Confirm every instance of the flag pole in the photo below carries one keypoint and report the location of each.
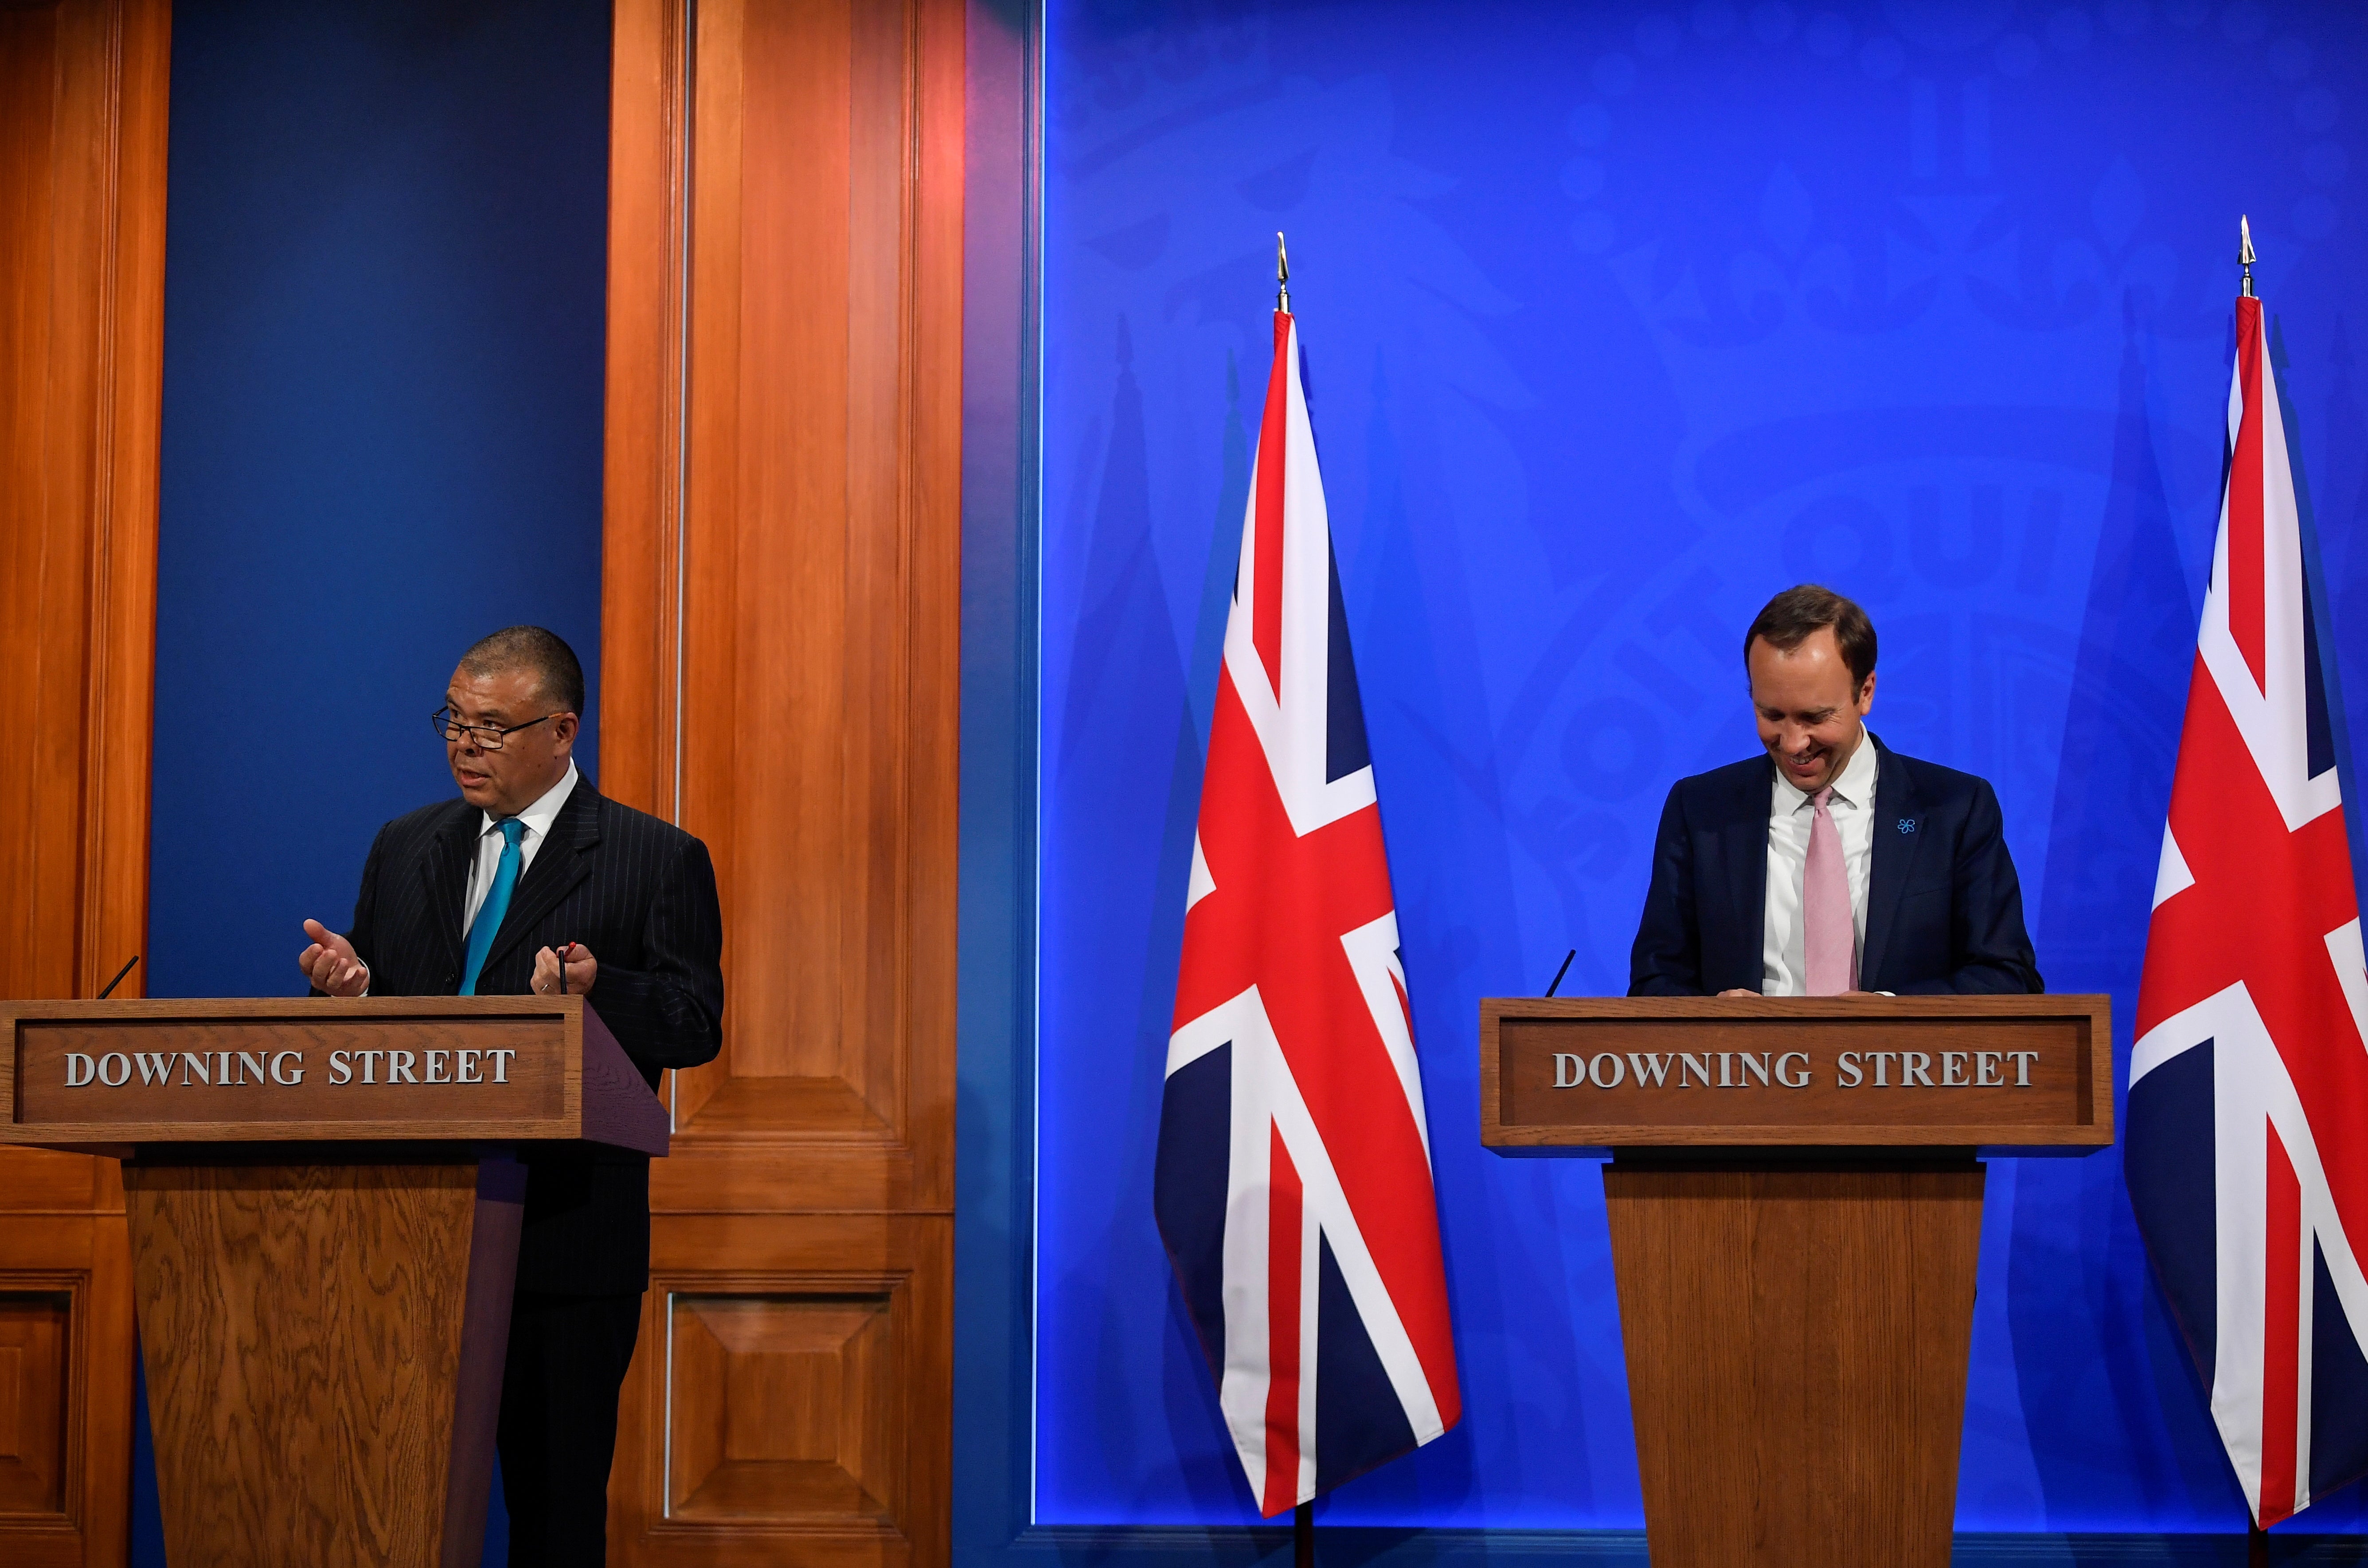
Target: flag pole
(1303, 1518)
(2257, 1540)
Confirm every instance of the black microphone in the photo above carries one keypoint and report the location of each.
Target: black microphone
(1563, 971)
(119, 978)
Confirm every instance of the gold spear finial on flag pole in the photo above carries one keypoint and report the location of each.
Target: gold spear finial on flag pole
(2245, 253)
(1281, 276)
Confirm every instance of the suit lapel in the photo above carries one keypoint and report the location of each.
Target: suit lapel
(445, 872)
(1744, 839)
(560, 864)
(1892, 855)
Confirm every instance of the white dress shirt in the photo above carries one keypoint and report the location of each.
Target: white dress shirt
(538, 818)
(1784, 969)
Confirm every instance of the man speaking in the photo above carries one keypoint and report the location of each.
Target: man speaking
(531, 874)
(1832, 864)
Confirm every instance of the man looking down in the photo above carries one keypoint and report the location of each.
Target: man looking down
(1831, 864)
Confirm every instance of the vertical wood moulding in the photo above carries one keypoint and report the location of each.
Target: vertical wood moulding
(646, 445)
(935, 476)
(107, 159)
(673, 642)
(119, 723)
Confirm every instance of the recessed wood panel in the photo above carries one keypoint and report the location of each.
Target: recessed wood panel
(782, 1409)
(788, 1398)
(65, 1397)
(36, 1376)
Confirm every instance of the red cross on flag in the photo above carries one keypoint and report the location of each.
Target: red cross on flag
(2247, 1134)
(1293, 1186)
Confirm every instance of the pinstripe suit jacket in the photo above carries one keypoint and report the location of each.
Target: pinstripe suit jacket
(641, 894)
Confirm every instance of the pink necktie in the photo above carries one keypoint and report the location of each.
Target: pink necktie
(1831, 945)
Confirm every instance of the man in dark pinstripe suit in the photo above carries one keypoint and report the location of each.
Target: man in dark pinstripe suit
(490, 894)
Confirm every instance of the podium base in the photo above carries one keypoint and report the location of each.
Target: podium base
(1798, 1325)
(323, 1344)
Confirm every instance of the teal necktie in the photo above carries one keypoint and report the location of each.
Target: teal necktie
(497, 904)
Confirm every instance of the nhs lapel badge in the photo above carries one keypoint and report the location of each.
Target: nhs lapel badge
(1908, 825)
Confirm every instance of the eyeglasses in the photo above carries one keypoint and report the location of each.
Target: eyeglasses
(489, 737)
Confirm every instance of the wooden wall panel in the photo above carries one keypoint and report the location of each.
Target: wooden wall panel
(35, 1375)
(789, 1402)
(82, 215)
(781, 673)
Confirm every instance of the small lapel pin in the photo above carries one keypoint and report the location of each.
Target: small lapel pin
(1908, 825)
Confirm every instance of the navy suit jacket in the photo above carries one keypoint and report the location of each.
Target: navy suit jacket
(1945, 911)
(640, 893)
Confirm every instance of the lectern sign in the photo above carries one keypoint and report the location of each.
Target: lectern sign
(508, 1068)
(2006, 1071)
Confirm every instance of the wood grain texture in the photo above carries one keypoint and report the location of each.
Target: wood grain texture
(35, 1373)
(83, 91)
(778, 1399)
(784, 430)
(1797, 1342)
(74, 1254)
(305, 1328)
(823, 418)
(789, 1395)
(82, 152)
(642, 447)
(1531, 1100)
(242, 1039)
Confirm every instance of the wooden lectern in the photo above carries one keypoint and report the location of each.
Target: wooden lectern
(1796, 1202)
(324, 1200)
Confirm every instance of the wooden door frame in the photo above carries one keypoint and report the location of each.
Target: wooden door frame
(63, 1214)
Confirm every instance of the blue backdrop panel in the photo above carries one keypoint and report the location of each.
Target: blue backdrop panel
(1618, 318)
(383, 308)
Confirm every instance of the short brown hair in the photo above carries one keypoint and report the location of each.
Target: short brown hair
(1791, 617)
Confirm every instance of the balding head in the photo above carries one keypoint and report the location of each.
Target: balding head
(559, 678)
(511, 718)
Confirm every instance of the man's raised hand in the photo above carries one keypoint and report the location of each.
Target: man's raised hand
(331, 963)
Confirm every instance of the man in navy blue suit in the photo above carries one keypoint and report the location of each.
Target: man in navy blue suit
(1831, 864)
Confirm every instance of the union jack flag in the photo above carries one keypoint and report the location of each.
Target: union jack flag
(1293, 1184)
(2247, 1147)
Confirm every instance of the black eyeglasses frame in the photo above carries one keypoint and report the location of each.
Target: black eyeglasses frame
(446, 721)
